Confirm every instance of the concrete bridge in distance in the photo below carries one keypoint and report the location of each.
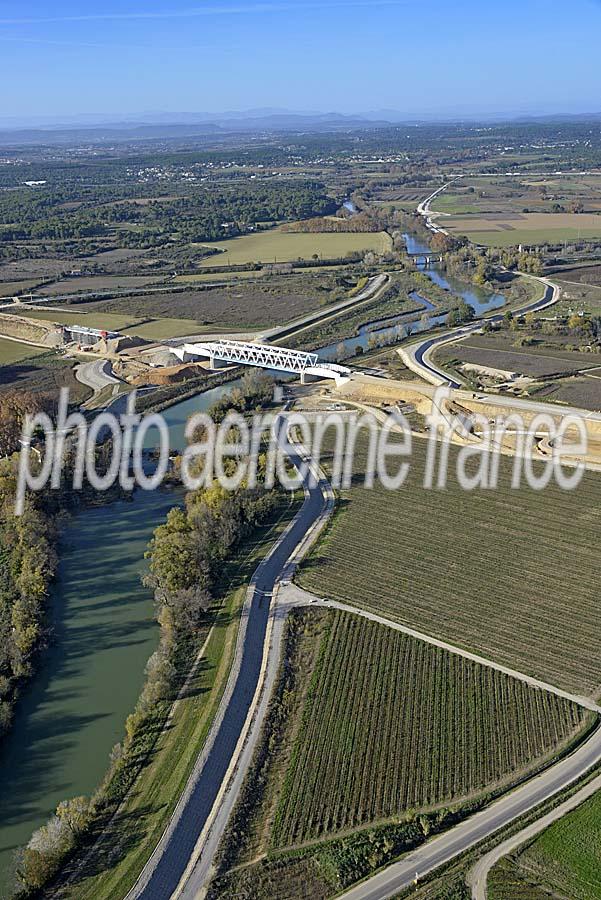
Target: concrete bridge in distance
(265, 356)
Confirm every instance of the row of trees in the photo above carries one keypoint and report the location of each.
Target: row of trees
(27, 562)
(186, 559)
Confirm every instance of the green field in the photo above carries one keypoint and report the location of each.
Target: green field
(13, 352)
(278, 246)
(371, 740)
(564, 861)
(510, 574)
(529, 237)
(148, 328)
(392, 724)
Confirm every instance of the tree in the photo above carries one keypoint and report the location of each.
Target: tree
(74, 813)
(461, 314)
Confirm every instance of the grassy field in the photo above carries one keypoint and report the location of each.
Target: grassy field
(14, 352)
(92, 283)
(267, 300)
(581, 392)
(46, 372)
(279, 246)
(12, 288)
(371, 739)
(146, 327)
(511, 574)
(564, 861)
(578, 297)
(526, 228)
(129, 838)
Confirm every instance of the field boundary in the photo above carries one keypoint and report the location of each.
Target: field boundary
(302, 597)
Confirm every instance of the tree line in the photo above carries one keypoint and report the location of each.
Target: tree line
(186, 559)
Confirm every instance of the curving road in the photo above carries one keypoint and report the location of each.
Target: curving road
(180, 864)
(96, 374)
(445, 847)
(478, 876)
(417, 356)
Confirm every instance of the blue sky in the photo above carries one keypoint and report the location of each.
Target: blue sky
(444, 58)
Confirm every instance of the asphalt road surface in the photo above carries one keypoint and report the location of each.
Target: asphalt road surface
(96, 374)
(419, 351)
(457, 840)
(168, 866)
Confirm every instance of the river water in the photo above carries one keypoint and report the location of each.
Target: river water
(420, 319)
(74, 710)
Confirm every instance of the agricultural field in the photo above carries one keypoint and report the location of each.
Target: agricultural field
(432, 558)
(502, 350)
(14, 352)
(269, 300)
(278, 246)
(530, 229)
(370, 726)
(392, 724)
(12, 288)
(506, 211)
(564, 861)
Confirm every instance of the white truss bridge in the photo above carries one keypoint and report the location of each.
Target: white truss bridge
(265, 356)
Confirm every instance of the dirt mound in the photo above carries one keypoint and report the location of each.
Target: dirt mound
(36, 331)
(172, 375)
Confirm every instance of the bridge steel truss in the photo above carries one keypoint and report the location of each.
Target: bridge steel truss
(265, 356)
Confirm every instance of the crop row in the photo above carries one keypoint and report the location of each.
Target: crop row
(511, 574)
(393, 724)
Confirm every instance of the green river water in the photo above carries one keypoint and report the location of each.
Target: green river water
(74, 709)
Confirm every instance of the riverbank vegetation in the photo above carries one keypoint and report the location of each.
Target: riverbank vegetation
(373, 741)
(200, 560)
(28, 562)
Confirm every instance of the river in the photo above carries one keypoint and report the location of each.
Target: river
(421, 319)
(74, 709)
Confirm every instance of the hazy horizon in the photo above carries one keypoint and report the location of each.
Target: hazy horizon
(467, 60)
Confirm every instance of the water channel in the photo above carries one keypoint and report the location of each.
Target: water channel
(74, 709)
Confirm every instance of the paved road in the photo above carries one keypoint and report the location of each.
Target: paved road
(162, 875)
(457, 840)
(96, 374)
(479, 874)
(417, 355)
